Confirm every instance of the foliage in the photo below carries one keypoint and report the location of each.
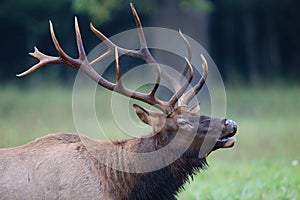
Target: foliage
(104, 10)
(202, 5)
(256, 39)
(250, 40)
(100, 10)
(29, 12)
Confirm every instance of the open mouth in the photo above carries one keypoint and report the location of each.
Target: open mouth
(226, 140)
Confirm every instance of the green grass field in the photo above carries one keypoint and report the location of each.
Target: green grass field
(262, 165)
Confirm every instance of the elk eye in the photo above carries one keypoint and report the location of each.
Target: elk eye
(184, 123)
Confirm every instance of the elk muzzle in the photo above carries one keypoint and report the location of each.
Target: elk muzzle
(226, 139)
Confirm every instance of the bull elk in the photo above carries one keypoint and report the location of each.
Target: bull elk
(72, 166)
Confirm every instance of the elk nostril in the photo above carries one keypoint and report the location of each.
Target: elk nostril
(226, 122)
(231, 124)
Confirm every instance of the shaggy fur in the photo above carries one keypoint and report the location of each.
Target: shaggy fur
(73, 166)
(65, 169)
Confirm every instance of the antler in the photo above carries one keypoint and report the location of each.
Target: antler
(82, 63)
(188, 96)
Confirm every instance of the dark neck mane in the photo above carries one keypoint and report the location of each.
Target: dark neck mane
(167, 182)
(164, 183)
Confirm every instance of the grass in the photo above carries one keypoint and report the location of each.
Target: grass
(254, 179)
(260, 166)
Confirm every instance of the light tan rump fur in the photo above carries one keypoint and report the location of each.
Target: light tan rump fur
(56, 166)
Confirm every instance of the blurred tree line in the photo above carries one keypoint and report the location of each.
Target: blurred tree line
(250, 40)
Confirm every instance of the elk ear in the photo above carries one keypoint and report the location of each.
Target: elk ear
(142, 113)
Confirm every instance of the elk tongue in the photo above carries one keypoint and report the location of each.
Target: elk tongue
(224, 143)
(228, 142)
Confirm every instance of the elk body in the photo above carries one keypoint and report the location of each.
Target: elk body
(72, 166)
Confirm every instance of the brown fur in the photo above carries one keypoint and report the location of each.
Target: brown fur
(70, 166)
(59, 166)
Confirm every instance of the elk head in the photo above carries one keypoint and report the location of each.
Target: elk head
(175, 116)
(202, 134)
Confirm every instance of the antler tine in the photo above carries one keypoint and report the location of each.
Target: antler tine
(119, 85)
(60, 51)
(145, 51)
(81, 51)
(148, 98)
(189, 49)
(142, 53)
(46, 59)
(180, 92)
(176, 83)
(43, 60)
(140, 28)
(118, 73)
(79, 64)
(111, 46)
(194, 91)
